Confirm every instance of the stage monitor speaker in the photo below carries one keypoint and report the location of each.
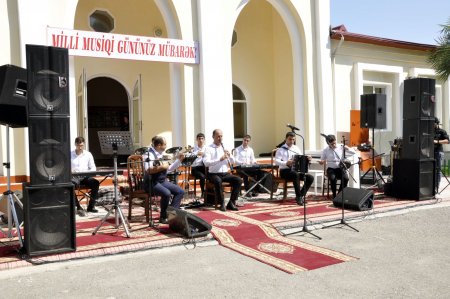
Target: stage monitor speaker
(48, 80)
(13, 96)
(187, 224)
(414, 179)
(49, 225)
(418, 98)
(49, 150)
(373, 111)
(354, 199)
(418, 139)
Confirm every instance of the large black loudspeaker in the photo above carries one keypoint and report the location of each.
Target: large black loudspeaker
(49, 150)
(13, 96)
(418, 98)
(48, 115)
(187, 224)
(49, 225)
(48, 80)
(373, 111)
(355, 199)
(414, 179)
(418, 139)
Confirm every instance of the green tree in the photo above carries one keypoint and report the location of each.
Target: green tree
(440, 57)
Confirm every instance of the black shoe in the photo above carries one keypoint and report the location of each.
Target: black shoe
(81, 212)
(222, 208)
(163, 220)
(92, 210)
(231, 206)
(254, 194)
(299, 200)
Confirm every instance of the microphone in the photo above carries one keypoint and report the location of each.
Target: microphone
(292, 127)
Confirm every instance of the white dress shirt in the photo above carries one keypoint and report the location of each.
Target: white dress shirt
(213, 153)
(333, 156)
(199, 160)
(284, 154)
(244, 156)
(82, 162)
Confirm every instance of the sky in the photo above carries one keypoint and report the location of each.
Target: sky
(407, 20)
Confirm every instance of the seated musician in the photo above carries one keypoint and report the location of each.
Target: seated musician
(156, 177)
(332, 155)
(284, 158)
(197, 167)
(220, 162)
(83, 161)
(244, 155)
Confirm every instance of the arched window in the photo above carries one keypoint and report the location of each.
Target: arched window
(240, 115)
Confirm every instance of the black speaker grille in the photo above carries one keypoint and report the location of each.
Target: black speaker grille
(418, 139)
(419, 98)
(413, 179)
(373, 111)
(49, 219)
(49, 150)
(48, 85)
(13, 96)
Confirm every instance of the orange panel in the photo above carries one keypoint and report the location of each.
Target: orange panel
(358, 135)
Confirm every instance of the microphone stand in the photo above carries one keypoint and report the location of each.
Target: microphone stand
(305, 228)
(344, 169)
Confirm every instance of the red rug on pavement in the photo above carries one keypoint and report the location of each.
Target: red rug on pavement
(264, 243)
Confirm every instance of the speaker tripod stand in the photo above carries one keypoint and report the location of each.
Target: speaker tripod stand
(10, 196)
(109, 142)
(376, 176)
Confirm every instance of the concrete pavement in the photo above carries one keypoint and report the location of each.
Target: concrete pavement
(402, 255)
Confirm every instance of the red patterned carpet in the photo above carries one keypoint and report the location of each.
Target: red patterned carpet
(252, 231)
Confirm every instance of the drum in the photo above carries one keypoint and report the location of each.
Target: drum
(301, 163)
(189, 159)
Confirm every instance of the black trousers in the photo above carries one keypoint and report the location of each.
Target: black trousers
(218, 178)
(296, 177)
(90, 183)
(199, 173)
(333, 175)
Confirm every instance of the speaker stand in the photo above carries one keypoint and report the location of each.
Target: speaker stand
(342, 222)
(116, 207)
(376, 176)
(305, 228)
(10, 196)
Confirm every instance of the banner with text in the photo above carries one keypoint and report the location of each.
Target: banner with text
(121, 46)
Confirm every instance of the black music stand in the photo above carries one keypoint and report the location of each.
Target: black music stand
(305, 229)
(344, 169)
(115, 143)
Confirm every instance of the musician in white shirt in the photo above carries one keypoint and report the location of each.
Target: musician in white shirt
(333, 156)
(156, 177)
(284, 158)
(83, 161)
(219, 161)
(197, 167)
(244, 155)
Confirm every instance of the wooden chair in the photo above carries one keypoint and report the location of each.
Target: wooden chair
(275, 170)
(326, 185)
(136, 172)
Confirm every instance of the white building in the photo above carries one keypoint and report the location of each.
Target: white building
(262, 64)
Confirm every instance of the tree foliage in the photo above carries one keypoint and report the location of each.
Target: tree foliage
(440, 57)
